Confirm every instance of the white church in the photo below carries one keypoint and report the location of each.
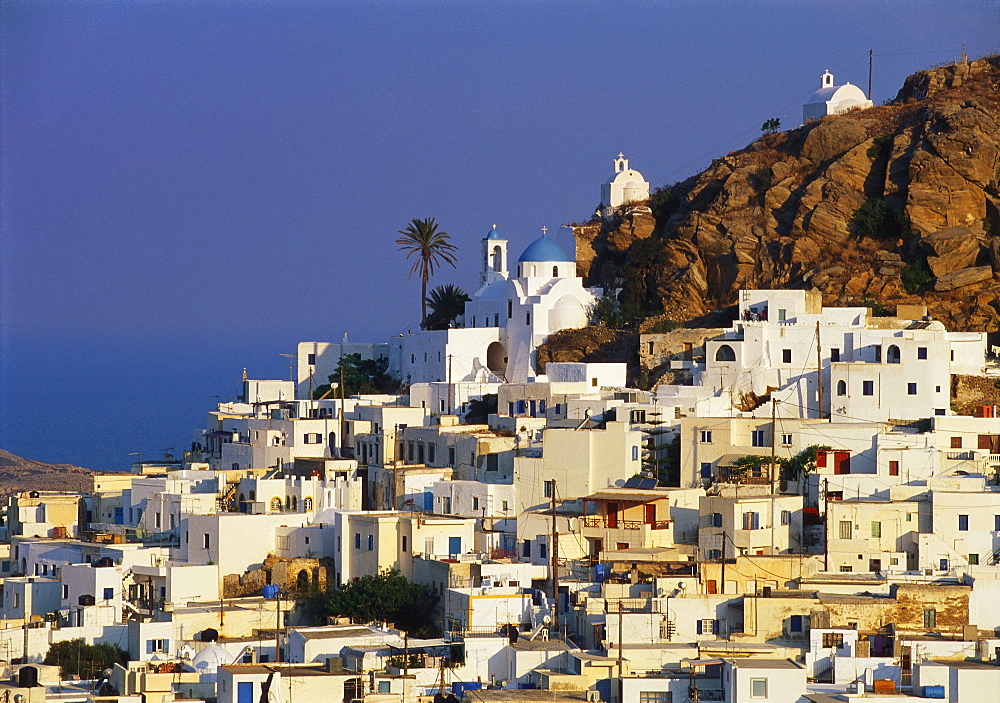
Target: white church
(833, 99)
(508, 317)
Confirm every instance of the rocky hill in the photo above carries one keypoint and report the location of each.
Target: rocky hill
(18, 474)
(898, 203)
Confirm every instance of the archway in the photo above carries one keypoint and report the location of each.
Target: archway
(496, 359)
(892, 354)
(725, 353)
(841, 387)
(302, 580)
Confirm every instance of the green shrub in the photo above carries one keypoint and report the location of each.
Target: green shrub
(915, 276)
(881, 146)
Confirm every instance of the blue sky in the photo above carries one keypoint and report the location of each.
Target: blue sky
(231, 176)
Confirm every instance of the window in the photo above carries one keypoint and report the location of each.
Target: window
(706, 627)
(405, 543)
(893, 468)
(892, 354)
(593, 382)
(956, 442)
(751, 521)
(846, 569)
(876, 529)
(510, 309)
(713, 554)
(716, 520)
(311, 359)
(656, 697)
(841, 387)
(996, 523)
(312, 438)
(782, 314)
(307, 504)
(877, 348)
(868, 387)
(637, 416)
(786, 356)
(276, 505)
(758, 438)
(157, 646)
(371, 543)
(65, 591)
(526, 548)
(475, 503)
(963, 523)
(845, 529)
(786, 517)
(635, 453)
(527, 318)
(834, 354)
(921, 352)
(758, 688)
(930, 618)
(725, 353)
(833, 639)
(503, 506)
(973, 559)
(543, 550)
(109, 593)
(786, 439)
(206, 540)
(547, 487)
(795, 623)
(357, 540)
(911, 388)
(706, 436)
(706, 470)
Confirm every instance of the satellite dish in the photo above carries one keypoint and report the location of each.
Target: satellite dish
(546, 619)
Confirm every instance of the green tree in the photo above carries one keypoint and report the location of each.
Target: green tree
(78, 660)
(361, 376)
(429, 248)
(446, 302)
(479, 409)
(771, 126)
(388, 597)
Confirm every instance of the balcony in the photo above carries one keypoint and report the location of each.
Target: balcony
(612, 523)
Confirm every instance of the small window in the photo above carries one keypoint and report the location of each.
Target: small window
(877, 349)
(593, 382)
(527, 318)
(357, 540)
(656, 697)
(786, 517)
(510, 309)
(786, 440)
(973, 559)
(876, 529)
(504, 506)
(716, 519)
(996, 523)
(833, 639)
(930, 618)
(956, 442)
(795, 623)
(834, 354)
(475, 503)
(371, 543)
(635, 453)
(868, 387)
(206, 540)
(893, 468)
(846, 529)
(758, 688)
(706, 437)
(911, 388)
(963, 523)
(526, 548)
(706, 471)
(782, 314)
(846, 569)
(921, 352)
(547, 487)
(405, 543)
(786, 356)
(841, 387)
(758, 438)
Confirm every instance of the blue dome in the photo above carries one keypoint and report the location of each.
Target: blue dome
(493, 234)
(544, 249)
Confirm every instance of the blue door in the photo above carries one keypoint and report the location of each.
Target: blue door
(428, 501)
(119, 516)
(244, 692)
(454, 545)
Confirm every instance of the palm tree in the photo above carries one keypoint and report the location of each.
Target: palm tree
(430, 248)
(446, 302)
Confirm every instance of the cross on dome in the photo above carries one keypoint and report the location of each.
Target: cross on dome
(545, 230)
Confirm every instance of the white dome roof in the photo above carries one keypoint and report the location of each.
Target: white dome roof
(209, 659)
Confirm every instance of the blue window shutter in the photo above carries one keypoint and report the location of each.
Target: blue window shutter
(428, 501)
(149, 646)
(698, 622)
(454, 545)
(715, 627)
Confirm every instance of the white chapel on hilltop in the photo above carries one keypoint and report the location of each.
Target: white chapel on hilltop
(833, 99)
(508, 317)
(625, 185)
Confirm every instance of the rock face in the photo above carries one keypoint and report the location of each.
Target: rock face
(895, 204)
(18, 474)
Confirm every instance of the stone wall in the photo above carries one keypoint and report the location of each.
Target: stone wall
(969, 393)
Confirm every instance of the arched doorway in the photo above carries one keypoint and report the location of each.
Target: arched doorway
(302, 580)
(892, 354)
(725, 353)
(496, 359)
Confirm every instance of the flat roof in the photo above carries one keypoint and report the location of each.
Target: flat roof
(297, 670)
(755, 663)
(537, 694)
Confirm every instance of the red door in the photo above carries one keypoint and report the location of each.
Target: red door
(841, 462)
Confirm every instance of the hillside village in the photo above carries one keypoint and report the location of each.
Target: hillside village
(805, 508)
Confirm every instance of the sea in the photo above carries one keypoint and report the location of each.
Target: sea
(104, 402)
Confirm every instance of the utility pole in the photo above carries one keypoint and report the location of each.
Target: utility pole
(621, 683)
(722, 587)
(450, 403)
(819, 372)
(869, 74)
(554, 563)
(774, 431)
(826, 525)
(341, 402)
(277, 629)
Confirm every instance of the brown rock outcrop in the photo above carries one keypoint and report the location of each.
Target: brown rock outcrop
(861, 206)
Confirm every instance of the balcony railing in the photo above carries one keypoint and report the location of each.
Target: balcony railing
(615, 524)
